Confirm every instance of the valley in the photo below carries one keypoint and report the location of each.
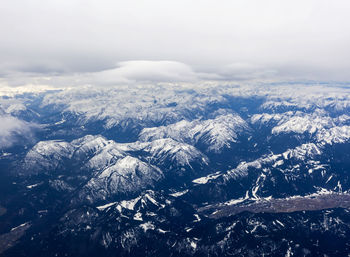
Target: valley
(288, 205)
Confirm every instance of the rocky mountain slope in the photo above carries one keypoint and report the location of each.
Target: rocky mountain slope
(170, 170)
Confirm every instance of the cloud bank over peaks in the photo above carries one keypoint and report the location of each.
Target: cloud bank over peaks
(143, 72)
(128, 72)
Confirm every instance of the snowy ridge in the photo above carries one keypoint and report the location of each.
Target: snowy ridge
(206, 179)
(178, 194)
(113, 168)
(302, 152)
(334, 135)
(105, 156)
(47, 155)
(126, 175)
(122, 105)
(302, 124)
(325, 129)
(89, 144)
(171, 103)
(215, 133)
(103, 207)
(98, 153)
(276, 104)
(296, 122)
(161, 151)
(180, 153)
(146, 199)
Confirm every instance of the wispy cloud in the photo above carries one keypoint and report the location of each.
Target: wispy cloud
(12, 129)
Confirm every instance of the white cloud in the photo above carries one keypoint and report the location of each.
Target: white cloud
(11, 129)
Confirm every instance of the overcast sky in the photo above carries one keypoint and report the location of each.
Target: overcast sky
(101, 41)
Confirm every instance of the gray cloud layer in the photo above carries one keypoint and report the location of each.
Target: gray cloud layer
(101, 41)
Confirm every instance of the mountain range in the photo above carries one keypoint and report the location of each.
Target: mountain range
(176, 170)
